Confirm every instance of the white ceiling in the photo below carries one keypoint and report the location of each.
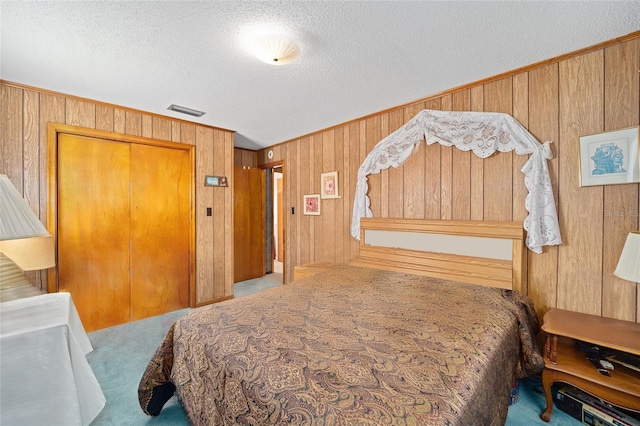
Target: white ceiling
(357, 57)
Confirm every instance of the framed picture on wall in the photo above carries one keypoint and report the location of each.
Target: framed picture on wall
(329, 185)
(610, 158)
(312, 204)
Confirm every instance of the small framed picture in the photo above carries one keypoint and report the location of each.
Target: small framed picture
(311, 204)
(610, 158)
(215, 181)
(329, 185)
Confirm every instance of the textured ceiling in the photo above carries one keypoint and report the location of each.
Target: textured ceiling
(357, 58)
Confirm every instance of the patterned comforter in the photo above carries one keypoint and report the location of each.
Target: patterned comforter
(350, 346)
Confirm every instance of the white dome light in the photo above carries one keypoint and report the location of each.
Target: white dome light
(276, 49)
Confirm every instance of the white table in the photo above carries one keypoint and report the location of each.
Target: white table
(44, 375)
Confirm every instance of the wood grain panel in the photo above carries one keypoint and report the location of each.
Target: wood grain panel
(621, 207)
(414, 173)
(348, 191)
(461, 168)
(147, 126)
(476, 103)
(339, 234)
(162, 129)
(93, 249)
(11, 135)
(304, 187)
(104, 118)
(328, 212)
(580, 260)
(432, 178)
(80, 113)
(446, 169)
(498, 168)
(354, 164)
(160, 225)
(218, 169)
(543, 124)
(119, 120)
(520, 113)
(372, 137)
(133, 123)
(204, 223)
(396, 175)
(228, 138)
(51, 110)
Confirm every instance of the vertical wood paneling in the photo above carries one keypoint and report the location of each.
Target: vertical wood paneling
(372, 137)
(347, 194)
(24, 156)
(104, 118)
(11, 157)
(543, 124)
(396, 175)
(338, 225)
(461, 168)
(432, 173)
(204, 224)
(328, 217)
(520, 113)
(580, 209)
(162, 129)
(147, 126)
(622, 100)
(217, 168)
(446, 169)
(133, 123)
(227, 138)
(80, 113)
(414, 173)
(498, 192)
(119, 120)
(557, 102)
(354, 164)
(476, 103)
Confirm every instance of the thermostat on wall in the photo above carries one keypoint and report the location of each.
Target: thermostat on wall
(270, 154)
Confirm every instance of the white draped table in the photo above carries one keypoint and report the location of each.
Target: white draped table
(45, 378)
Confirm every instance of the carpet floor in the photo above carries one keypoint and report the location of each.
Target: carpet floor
(121, 354)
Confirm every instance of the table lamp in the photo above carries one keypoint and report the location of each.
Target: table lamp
(629, 264)
(23, 238)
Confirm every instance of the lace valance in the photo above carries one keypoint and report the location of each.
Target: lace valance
(483, 133)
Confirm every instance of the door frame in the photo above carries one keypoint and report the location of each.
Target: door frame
(280, 164)
(53, 131)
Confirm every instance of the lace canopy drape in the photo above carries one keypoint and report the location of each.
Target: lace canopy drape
(484, 133)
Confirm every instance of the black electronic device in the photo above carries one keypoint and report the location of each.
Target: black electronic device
(592, 411)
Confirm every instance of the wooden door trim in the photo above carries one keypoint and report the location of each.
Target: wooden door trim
(53, 131)
(281, 163)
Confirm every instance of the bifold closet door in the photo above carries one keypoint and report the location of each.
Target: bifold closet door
(160, 229)
(123, 229)
(93, 233)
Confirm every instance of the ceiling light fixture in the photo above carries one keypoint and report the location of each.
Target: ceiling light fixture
(276, 49)
(185, 110)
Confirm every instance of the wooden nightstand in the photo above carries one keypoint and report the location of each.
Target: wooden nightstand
(564, 363)
(308, 269)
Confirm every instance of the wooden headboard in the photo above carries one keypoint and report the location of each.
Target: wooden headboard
(476, 252)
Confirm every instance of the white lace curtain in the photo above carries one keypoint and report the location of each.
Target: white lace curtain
(483, 133)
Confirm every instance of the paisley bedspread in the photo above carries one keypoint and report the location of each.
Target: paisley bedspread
(350, 346)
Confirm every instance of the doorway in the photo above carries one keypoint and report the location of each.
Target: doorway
(274, 247)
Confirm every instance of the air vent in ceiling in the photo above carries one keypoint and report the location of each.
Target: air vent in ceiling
(185, 110)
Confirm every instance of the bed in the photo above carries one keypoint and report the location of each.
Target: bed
(403, 335)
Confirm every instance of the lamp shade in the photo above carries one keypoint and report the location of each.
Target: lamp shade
(23, 238)
(629, 264)
(276, 49)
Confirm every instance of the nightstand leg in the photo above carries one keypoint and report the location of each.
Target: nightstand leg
(547, 381)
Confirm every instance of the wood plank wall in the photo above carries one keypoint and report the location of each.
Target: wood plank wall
(590, 91)
(24, 114)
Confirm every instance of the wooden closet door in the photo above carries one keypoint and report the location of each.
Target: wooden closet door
(160, 230)
(249, 260)
(93, 228)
